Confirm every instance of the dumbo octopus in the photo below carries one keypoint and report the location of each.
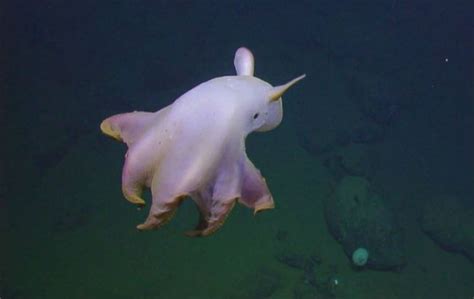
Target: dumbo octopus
(195, 148)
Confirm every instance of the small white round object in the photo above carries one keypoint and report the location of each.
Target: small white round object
(360, 257)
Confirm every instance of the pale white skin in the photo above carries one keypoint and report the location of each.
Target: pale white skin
(196, 147)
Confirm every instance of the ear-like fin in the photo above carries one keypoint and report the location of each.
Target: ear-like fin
(278, 91)
(244, 62)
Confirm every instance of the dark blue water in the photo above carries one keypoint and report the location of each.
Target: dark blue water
(375, 149)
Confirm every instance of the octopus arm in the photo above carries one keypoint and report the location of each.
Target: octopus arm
(130, 128)
(240, 182)
(254, 191)
(215, 190)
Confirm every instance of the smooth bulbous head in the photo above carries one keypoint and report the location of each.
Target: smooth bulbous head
(263, 113)
(253, 95)
(263, 101)
(271, 116)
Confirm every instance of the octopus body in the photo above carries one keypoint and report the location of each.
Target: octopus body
(195, 148)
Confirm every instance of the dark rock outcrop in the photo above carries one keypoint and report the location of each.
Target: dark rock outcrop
(358, 217)
(450, 223)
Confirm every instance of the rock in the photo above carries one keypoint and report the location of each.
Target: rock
(292, 260)
(301, 262)
(358, 108)
(326, 122)
(367, 134)
(450, 223)
(352, 160)
(358, 217)
(378, 97)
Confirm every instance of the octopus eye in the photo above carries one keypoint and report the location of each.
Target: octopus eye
(255, 116)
